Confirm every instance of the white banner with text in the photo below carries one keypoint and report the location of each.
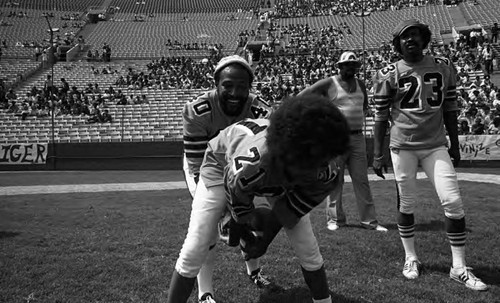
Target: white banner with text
(480, 147)
(23, 153)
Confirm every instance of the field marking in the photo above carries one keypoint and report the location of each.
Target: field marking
(143, 186)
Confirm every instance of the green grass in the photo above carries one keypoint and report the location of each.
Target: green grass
(122, 246)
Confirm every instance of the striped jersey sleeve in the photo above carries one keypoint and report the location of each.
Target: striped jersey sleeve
(383, 91)
(450, 98)
(195, 131)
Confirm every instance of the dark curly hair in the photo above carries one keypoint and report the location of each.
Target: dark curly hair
(305, 131)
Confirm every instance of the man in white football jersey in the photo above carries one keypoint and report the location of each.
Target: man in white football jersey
(203, 118)
(289, 159)
(418, 95)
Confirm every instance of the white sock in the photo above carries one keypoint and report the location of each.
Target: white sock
(252, 265)
(458, 255)
(205, 276)
(409, 246)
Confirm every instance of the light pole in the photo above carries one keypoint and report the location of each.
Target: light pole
(52, 104)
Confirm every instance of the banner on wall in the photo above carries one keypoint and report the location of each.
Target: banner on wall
(480, 147)
(23, 153)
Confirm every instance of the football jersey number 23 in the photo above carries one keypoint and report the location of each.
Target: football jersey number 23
(431, 90)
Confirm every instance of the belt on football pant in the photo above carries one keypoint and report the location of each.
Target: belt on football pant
(356, 132)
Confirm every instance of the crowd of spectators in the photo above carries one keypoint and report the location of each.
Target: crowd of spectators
(302, 8)
(172, 73)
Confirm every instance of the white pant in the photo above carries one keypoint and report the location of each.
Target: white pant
(438, 167)
(207, 208)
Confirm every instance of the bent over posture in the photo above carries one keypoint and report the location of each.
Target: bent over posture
(418, 94)
(203, 118)
(289, 160)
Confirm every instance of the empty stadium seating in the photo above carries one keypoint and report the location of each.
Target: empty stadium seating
(134, 44)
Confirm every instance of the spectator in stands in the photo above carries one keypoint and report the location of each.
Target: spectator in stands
(487, 56)
(96, 56)
(478, 127)
(106, 53)
(64, 88)
(106, 117)
(494, 127)
(89, 56)
(496, 101)
(25, 110)
(95, 114)
(494, 33)
(11, 95)
(463, 127)
(38, 52)
(13, 108)
(45, 59)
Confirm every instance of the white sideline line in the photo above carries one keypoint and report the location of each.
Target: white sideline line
(143, 186)
(88, 188)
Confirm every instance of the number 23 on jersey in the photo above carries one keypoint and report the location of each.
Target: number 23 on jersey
(417, 89)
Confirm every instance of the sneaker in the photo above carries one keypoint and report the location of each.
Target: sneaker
(465, 276)
(260, 280)
(380, 228)
(207, 298)
(411, 270)
(333, 225)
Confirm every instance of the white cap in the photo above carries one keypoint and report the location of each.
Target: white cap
(233, 59)
(348, 57)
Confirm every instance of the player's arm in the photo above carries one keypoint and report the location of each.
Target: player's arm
(195, 139)
(297, 202)
(450, 116)
(382, 97)
(238, 184)
(365, 96)
(320, 87)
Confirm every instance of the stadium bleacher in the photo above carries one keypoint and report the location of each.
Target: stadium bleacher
(134, 43)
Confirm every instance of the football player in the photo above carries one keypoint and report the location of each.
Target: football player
(418, 95)
(290, 160)
(203, 118)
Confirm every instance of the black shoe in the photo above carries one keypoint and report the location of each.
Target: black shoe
(207, 298)
(262, 281)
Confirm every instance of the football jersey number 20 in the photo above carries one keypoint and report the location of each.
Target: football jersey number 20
(432, 90)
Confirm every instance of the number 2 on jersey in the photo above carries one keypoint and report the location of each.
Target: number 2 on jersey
(411, 100)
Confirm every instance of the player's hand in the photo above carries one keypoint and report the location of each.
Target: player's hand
(258, 234)
(454, 153)
(378, 165)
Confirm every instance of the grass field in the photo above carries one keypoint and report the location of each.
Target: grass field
(121, 247)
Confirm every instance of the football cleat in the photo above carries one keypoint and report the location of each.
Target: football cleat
(207, 298)
(262, 281)
(465, 276)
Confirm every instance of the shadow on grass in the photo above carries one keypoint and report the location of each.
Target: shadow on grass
(277, 294)
(8, 234)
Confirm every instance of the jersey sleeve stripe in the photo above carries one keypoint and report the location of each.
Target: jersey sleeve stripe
(195, 146)
(300, 205)
(195, 139)
(381, 97)
(382, 107)
(195, 154)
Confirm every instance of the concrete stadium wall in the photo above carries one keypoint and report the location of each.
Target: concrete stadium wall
(141, 156)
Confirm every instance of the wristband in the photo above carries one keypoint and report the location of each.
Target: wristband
(378, 158)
